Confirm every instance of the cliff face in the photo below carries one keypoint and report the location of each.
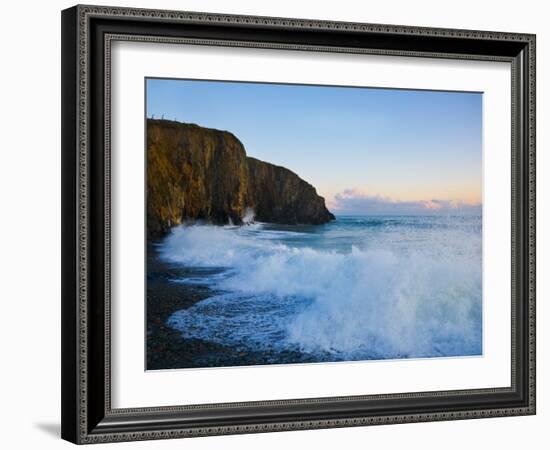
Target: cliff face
(278, 195)
(196, 173)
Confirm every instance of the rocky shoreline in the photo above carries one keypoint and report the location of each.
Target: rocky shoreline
(166, 348)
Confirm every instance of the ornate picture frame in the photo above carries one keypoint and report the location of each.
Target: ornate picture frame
(88, 33)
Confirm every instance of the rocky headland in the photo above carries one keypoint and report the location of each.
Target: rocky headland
(196, 173)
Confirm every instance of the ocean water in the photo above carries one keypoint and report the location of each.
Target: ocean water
(357, 288)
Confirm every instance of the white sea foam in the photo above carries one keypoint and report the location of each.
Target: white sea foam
(411, 292)
(248, 217)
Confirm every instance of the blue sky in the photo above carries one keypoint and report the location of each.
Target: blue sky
(408, 150)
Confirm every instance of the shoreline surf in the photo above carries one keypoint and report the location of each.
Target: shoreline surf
(268, 294)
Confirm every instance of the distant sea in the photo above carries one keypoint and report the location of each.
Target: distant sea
(357, 288)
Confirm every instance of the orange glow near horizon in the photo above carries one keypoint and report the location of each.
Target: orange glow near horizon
(453, 195)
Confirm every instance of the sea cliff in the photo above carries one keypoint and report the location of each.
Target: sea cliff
(196, 173)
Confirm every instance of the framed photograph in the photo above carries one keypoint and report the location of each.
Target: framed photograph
(278, 224)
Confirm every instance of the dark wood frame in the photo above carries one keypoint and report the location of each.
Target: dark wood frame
(87, 32)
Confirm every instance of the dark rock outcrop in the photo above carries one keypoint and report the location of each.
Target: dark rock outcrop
(197, 173)
(278, 195)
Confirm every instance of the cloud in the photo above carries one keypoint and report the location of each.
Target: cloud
(352, 201)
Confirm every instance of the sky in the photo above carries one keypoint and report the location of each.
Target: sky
(366, 150)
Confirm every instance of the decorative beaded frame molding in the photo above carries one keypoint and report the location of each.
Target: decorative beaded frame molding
(87, 416)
